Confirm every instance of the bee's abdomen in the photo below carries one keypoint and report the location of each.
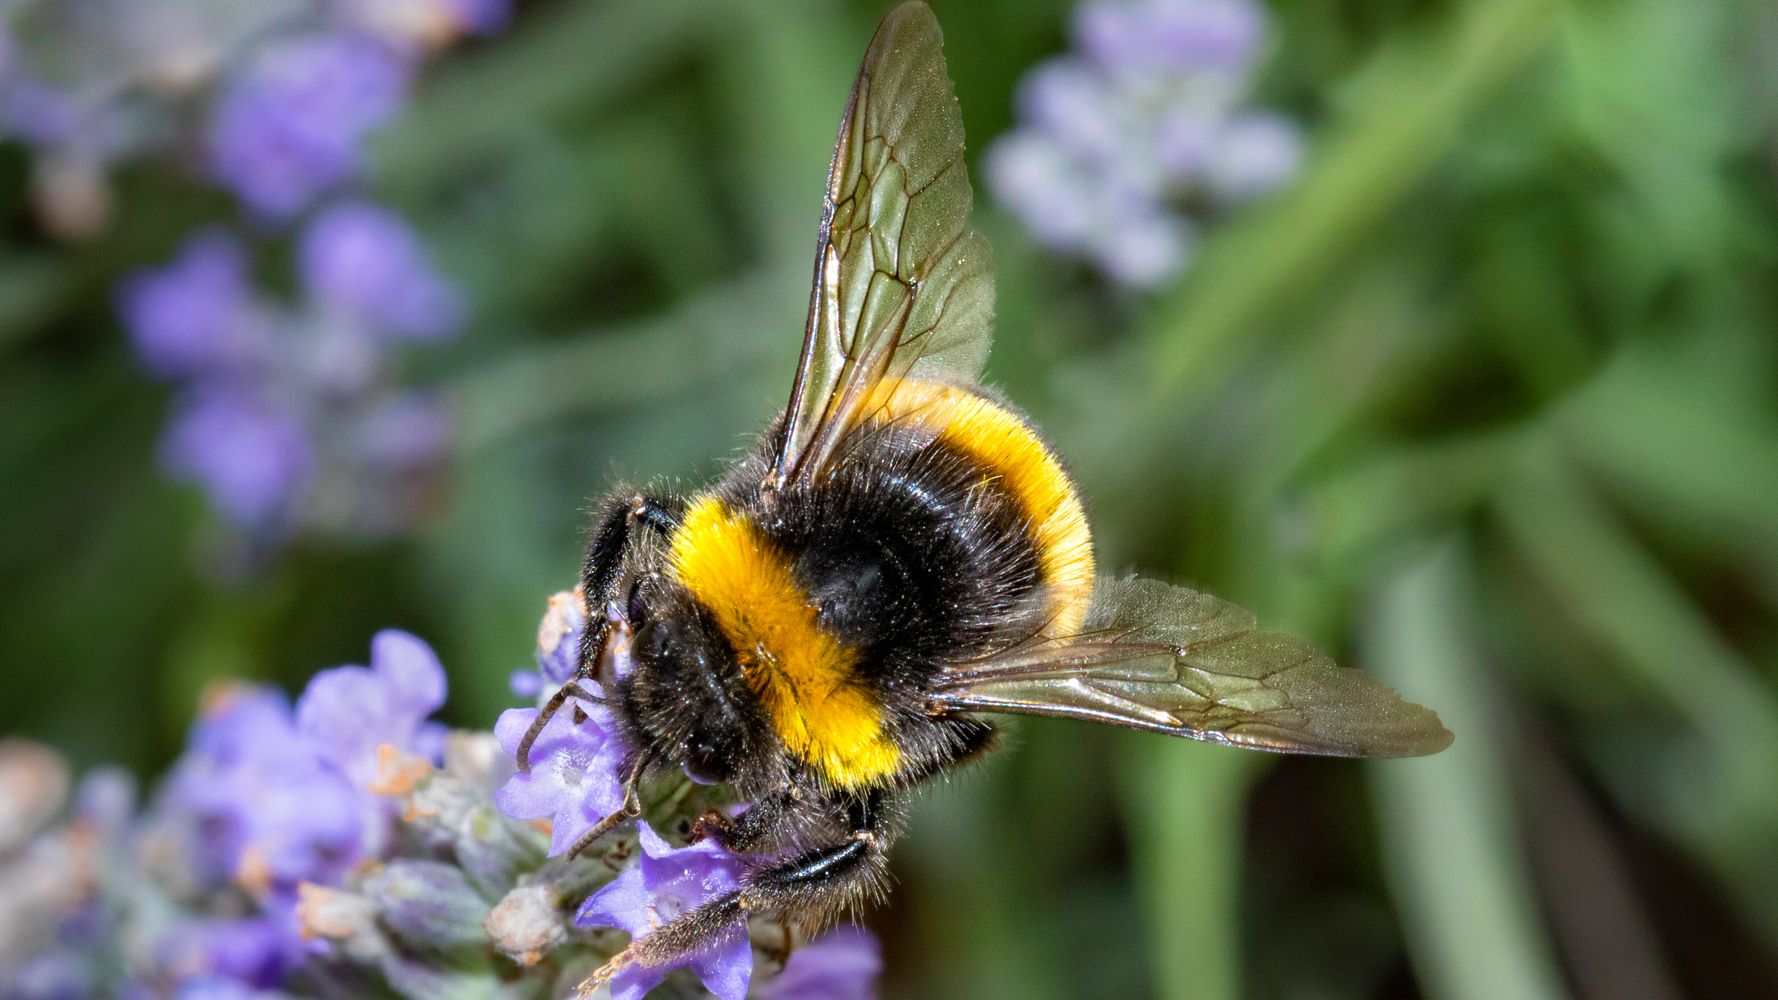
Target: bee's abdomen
(1007, 455)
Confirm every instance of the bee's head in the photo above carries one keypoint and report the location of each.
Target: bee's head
(684, 697)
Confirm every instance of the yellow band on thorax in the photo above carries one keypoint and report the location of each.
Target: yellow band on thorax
(802, 676)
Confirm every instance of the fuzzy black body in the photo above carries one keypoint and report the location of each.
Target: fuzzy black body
(911, 553)
(914, 554)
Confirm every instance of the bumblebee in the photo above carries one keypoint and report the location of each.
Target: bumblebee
(901, 557)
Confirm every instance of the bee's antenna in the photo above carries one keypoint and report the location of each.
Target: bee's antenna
(550, 708)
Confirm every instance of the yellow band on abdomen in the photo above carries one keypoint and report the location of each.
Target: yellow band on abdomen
(1004, 445)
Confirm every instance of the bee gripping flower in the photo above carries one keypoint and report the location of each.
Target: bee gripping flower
(339, 847)
(663, 884)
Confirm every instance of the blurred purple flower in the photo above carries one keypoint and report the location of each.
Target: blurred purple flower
(1118, 146)
(427, 22)
(410, 431)
(51, 975)
(253, 459)
(573, 781)
(39, 114)
(525, 683)
(347, 712)
(365, 260)
(481, 17)
(1146, 248)
(292, 124)
(1254, 154)
(252, 802)
(1149, 36)
(197, 313)
(213, 957)
(663, 884)
(1027, 169)
(1071, 102)
(267, 799)
(842, 964)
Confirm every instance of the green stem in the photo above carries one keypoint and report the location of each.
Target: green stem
(1417, 95)
(1185, 806)
(1449, 831)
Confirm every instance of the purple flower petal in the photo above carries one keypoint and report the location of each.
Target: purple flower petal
(367, 261)
(253, 459)
(842, 964)
(195, 314)
(665, 884)
(573, 781)
(347, 712)
(291, 126)
(1254, 154)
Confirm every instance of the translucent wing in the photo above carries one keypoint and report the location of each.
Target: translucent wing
(1172, 660)
(902, 284)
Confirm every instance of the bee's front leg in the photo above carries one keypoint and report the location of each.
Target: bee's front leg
(810, 887)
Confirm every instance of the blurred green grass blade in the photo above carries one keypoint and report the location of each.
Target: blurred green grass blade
(564, 58)
(1449, 832)
(1653, 92)
(1402, 495)
(711, 336)
(1614, 590)
(1678, 439)
(1185, 806)
(1409, 108)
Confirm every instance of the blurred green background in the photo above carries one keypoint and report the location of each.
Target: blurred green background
(1486, 402)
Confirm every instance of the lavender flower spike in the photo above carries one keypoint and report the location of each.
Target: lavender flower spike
(664, 884)
(1124, 145)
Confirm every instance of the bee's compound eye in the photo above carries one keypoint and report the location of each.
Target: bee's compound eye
(653, 642)
(706, 765)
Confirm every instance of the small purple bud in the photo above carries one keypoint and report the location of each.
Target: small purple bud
(197, 314)
(428, 904)
(253, 458)
(292, 124)
(1254, 154)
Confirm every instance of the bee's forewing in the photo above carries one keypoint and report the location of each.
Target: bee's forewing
(902, 284)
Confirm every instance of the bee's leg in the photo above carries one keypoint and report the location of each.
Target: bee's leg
(816, 883)
(618, 514)
(764, 824)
